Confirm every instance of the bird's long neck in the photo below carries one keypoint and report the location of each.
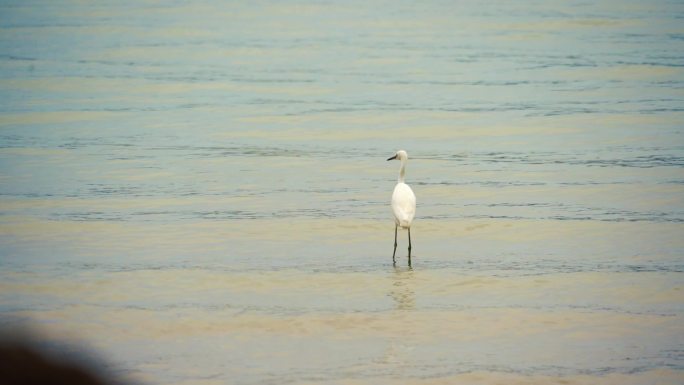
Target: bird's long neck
(402, 171)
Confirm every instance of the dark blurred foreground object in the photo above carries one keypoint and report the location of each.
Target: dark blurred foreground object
(21, 364)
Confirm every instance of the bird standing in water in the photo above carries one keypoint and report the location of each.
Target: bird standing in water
(403, 204)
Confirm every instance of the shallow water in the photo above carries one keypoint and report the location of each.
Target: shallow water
(200, 192)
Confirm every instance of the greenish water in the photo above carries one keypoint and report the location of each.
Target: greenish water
(199, 191)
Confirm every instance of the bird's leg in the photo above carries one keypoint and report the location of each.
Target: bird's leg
(409, 248)
(394, 261)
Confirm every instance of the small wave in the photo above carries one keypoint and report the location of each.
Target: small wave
(549, 158)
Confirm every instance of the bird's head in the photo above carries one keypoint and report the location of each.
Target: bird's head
(400, 155)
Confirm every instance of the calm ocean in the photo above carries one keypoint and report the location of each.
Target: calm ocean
(199, 191)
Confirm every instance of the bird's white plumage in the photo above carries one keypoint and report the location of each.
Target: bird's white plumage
(403, 198)
(403, 205)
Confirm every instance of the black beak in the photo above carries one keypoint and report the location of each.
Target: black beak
(392, 158)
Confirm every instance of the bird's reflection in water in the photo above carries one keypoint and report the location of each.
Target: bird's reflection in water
(402, 289)
(399, 346)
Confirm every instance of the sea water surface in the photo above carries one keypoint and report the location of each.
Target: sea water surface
(198, 191)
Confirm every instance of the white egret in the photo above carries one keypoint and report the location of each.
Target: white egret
(403, 204)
